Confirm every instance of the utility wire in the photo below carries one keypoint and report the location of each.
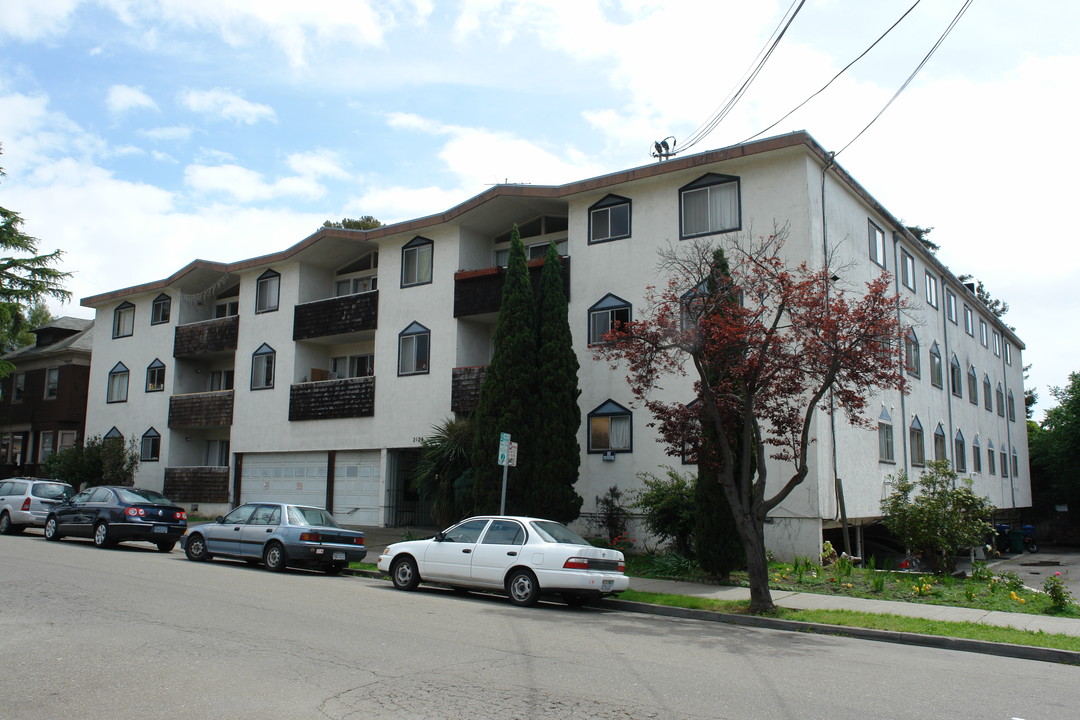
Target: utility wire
(751, 74)
(959, 14)
(837, 75)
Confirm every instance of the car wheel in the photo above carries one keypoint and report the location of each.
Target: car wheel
(195, 548)
(166, 545)
(101, 536)
(334, 569)
(274, 557)
(1032, 547)
(405, 574)
(522, 588)
(52, 529)
(7, 527)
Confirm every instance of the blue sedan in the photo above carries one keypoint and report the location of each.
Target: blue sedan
(278, 535)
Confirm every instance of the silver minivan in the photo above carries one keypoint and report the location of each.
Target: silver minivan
(25, 502)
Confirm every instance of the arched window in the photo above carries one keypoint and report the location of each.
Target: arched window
(414, 350)
(606, 315)
(155, 376)
(262, 367)
(118, 384)
(936, 374)
(267, 292)
(959, 452)
(151, 446)
(885, 437)
(917, 442)
(911, 353)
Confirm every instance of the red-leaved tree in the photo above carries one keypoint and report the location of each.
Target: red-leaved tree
(768, 346)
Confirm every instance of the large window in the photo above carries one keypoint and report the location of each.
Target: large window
(160, 311)
(52, 383)
(155, 376)
(907, 267)
(911, 354)
(936, 373)
(878, 248)
(959, 452)
(416, 258)
(151, 446)
(352, 366)
(123, 320)
(610, 429)
(414, 350)
(606, 316)
(886, 452)
(609, 219)
(918, 442)
(358, 276)
(267, 292)
(118, 384)
(262, 368)
(709, 205)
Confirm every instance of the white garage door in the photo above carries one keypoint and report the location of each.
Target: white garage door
(358, 488)
(284, 477)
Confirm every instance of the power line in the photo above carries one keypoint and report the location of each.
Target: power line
(751, 74)
(956, 19)
(837, 75)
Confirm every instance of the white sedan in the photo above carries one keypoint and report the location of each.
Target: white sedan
(521, 556)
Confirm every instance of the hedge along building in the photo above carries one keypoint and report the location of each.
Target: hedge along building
(314, 373)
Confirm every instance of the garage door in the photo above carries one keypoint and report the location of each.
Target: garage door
(358, 488)
(284, 477)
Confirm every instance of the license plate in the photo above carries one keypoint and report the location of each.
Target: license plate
(606, 585)
(339, 556)
(161, 528)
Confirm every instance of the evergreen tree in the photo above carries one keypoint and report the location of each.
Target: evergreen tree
(717, 544)
(556, 453)
(507, 397)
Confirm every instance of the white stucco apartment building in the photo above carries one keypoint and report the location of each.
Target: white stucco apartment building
(314, 373)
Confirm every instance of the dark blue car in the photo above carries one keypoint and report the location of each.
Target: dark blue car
(111, 514)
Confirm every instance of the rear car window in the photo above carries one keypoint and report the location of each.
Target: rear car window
(557, 533)
(51, 491)
(316, 517)
(138, 495)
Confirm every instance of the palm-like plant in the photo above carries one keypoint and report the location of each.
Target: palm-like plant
(444, 473)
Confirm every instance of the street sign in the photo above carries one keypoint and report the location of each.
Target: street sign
(504, 448)
(511, 456)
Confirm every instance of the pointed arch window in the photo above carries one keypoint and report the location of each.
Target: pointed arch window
(118, 384)
(609, 219)
(263, 362)
(155, 376)
(911, 353)
(161, 310)
(917, 441)
(113, 434)
(999, 395)
(414, 350)
(976, 455)
(1011, 403)
(956, 377)
(606, 316)
(940, 448)
(416, 262)
(936, 373)
(1004, 461)
(267, 292)
(886, 451)
(709, 205)
(991, 458)
(1015, 463)
(988, 394)
(151, 446)
(973, 385)
(959, 452)
(123, 320)
(610, 429)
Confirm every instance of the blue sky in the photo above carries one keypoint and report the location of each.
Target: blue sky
(139, 135)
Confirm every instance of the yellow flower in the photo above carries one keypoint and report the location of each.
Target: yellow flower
(1023, 601)
(1012, 594)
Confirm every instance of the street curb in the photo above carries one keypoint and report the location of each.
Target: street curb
(941, 642)
(1023, 652)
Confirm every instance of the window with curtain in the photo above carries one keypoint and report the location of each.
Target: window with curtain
(709, 205)
(610, 428)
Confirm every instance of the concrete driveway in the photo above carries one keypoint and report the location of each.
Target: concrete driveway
(1035, 567)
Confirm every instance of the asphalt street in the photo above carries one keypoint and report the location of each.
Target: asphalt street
(132, 633)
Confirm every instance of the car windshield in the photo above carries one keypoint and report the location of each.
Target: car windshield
(557, 533)
(138, 495)
(316, 517)
(51, 491)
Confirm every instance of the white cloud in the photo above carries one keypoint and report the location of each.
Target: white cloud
(247, 186)
(226, 105)
(174, 132)
(35, 19)
(122, 98)
(317, 163)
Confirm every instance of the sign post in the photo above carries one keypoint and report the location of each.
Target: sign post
(507, 457)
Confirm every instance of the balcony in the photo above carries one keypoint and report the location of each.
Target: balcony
(206, 484)
(465, 388)
(201, 410)
(478, 292)
(206, 338)
(332, 399)
(344, 315)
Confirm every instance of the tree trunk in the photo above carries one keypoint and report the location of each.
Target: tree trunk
(757, 566)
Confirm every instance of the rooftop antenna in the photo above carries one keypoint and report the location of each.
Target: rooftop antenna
(662, 150)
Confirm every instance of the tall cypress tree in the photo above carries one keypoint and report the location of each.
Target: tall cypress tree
(717, 544)
(507, 402)
(557, 454)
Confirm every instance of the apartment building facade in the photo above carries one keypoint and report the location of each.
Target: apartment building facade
(313, 374)
(43, 401)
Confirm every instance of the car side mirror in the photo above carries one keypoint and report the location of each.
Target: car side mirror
(440, 536)
(219, 519)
